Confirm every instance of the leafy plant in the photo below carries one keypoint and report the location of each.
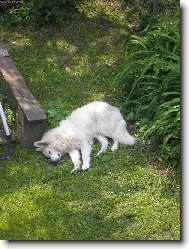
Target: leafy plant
(56, 112)
(36, 13)
(149, 83)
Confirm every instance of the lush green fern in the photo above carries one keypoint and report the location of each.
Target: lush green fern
(149, 83)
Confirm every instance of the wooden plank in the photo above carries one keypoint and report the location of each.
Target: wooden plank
(30, 118)
(27, 102)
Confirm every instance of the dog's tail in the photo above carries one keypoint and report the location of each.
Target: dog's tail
(122, 135)
(129, 140)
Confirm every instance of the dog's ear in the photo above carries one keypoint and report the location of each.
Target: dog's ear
(41, 144)
(39, 149)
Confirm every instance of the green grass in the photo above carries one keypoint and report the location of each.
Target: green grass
(127, 195)
(122, 197)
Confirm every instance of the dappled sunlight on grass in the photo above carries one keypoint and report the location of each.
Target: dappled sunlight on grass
(60, 61)
(78, 205)
(66, 46)
(21, 42)
(149, 210)
(19, 205)
(17, 39)
(97, 96)
(111, 10)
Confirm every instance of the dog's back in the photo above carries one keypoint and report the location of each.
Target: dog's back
(96, 118)
(86, 117)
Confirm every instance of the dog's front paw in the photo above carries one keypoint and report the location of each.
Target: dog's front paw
(99, 153)
(75, 171)
(114, 148)
(85, 167)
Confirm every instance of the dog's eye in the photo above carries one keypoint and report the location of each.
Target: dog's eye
(49, 152)
(59, 154)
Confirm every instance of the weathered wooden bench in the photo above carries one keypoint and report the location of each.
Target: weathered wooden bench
(30, 118)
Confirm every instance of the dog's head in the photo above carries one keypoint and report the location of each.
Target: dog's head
(50, 151)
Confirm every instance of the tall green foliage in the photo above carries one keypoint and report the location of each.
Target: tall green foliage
(149, 83)
(36, 13)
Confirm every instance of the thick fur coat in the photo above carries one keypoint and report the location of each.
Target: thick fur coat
(76, 133)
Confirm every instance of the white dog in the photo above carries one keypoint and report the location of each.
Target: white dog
(76, 133)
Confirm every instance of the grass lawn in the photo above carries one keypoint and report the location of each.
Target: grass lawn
(127, 195)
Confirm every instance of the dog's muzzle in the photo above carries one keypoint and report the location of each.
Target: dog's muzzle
(56, 162)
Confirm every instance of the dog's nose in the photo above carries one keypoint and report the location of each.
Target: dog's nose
(56, 161)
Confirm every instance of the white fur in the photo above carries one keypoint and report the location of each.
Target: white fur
(76, 133)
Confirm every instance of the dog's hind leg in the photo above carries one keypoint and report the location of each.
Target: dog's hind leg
(75, 156)
(86, 152)
(104, 144)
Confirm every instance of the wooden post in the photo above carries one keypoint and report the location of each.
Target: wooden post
(154, 7)
(30, 121)
(27, 131)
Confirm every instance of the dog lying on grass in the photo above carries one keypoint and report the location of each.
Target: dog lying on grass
(75, 134)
